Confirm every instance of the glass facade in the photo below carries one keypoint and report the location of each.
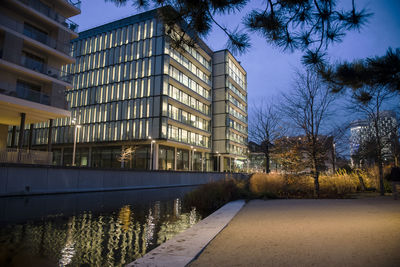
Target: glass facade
(130, 86)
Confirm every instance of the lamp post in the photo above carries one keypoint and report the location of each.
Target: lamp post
(75, 135)
(194, 150)
(333, 157)
(217, 161)
(191, 158)
(248, 160)
(151, 152)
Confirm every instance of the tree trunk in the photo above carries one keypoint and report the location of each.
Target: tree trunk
(362, 184)
(267, 170)
(381, 184)
(316, 184)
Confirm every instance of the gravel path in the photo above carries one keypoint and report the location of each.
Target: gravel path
(352, 232)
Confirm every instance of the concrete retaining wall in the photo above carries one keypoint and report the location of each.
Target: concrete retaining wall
(16, 180)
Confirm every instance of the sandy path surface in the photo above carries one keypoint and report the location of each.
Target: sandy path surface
(354, 232)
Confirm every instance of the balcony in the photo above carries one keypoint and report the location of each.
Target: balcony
(14, 155)
(34, 34)
(50, 13)
(32, 95)
(43, 68)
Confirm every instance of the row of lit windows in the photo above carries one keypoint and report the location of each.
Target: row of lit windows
(236, 74)
(125, 53)
(236, 150)
(235, 90)
(118, 37)
(185, 80)
(236, 114)
(98, 132)
(188, 100)
(188, 118)
(114, 111)
(237, 126)
(193, 52)
(117, 73)
(112, 92)
(236, 102)
(181, 59)
(236, 138)
(181, 135)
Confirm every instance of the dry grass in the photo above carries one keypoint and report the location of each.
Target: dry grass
(338, 185)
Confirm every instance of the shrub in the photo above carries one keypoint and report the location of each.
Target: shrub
(209, 197)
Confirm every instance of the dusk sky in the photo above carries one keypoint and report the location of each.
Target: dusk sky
(270, 70)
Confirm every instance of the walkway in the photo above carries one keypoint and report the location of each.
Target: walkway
(352, 232)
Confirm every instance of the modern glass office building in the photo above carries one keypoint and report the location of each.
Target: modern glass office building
(137, 102)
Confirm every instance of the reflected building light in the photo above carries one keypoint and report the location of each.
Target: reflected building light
(150, 228)
(68, 251)
(177, 207)
(157, 211)
(193, 218)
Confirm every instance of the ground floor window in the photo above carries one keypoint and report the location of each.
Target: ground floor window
(166, 158)
(182, 163)
(197, 161)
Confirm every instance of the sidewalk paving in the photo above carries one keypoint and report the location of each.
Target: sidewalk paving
(350, 232)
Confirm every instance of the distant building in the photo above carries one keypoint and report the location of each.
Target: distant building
(34, 44)
(363, 132)
(292, 145)
(169, 108)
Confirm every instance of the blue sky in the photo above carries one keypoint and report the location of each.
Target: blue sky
(270, 70)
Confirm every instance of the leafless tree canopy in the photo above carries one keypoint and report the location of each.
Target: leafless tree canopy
(266, 127)
(308, 107)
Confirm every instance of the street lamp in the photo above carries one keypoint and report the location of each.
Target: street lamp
(217, 161)
(194, 150)
(248, 160)
(75, 136)
(191, 158)
(151, 152)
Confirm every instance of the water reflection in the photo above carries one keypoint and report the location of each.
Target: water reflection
(95, 235)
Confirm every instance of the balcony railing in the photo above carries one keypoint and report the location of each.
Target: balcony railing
(14, 155)
(45, 69)
(50, 13)
(65, 48)
(32, 95)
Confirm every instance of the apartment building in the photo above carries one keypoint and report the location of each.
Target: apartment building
(137, 101)
(34, 45)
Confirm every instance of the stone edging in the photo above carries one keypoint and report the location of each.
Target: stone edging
(186, 246)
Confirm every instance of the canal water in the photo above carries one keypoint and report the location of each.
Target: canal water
(90, 229)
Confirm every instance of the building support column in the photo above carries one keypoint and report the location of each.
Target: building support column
(13, 135)
(50, 135)
(62, 157)
(3, 136)
(31, 126)
(175, 157)
(90, 157)
(123, 157)
(202, 161)
(21, 131)
(155, 156)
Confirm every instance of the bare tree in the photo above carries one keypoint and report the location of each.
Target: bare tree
(370, 101)
(126, 155)
(265, 128)
(308, 108)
